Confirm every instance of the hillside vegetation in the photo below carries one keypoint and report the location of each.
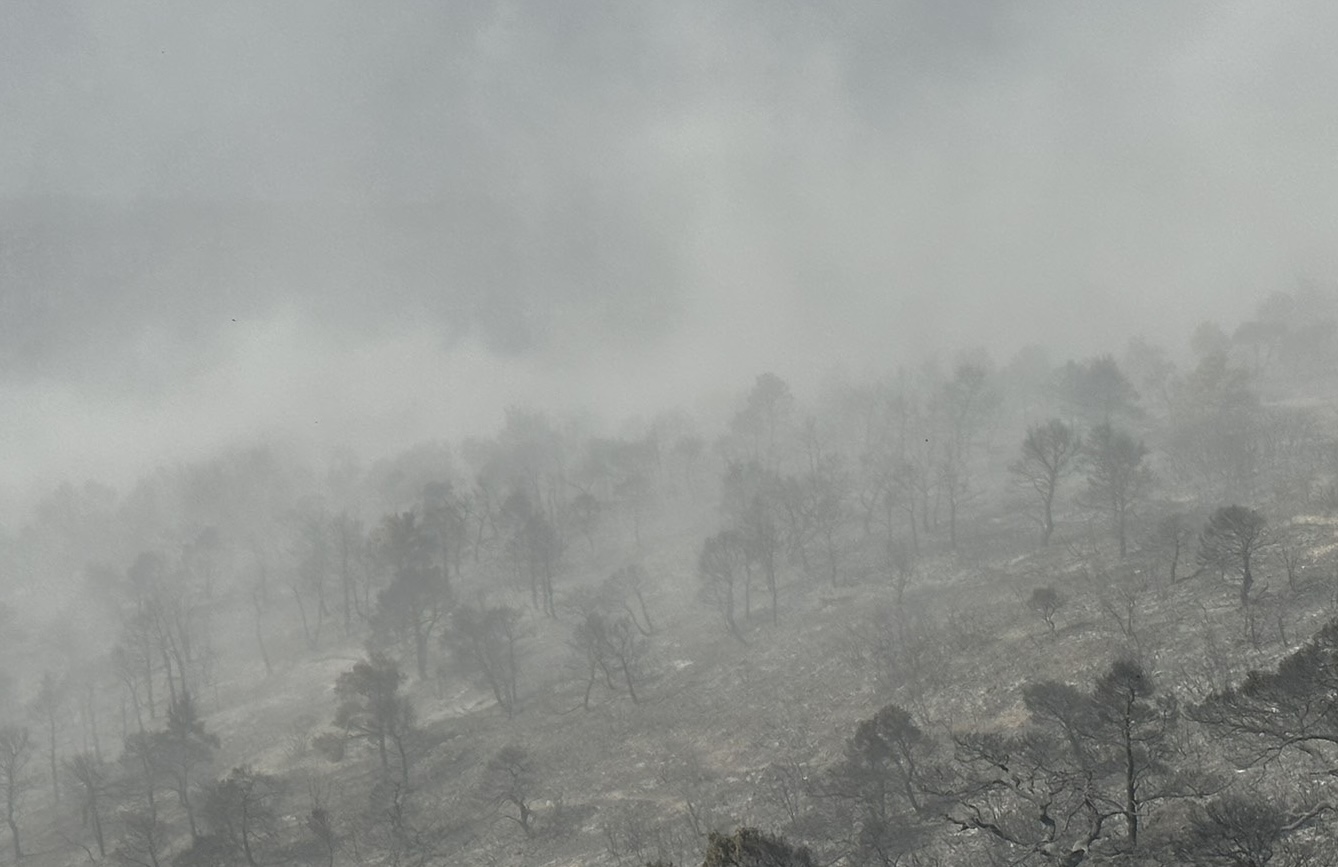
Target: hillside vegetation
(966, 613)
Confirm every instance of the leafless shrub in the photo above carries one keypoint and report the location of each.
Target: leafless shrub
(1046, 603)
(629, 832)
(784, 785)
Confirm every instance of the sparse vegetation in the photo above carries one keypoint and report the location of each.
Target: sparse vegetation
(1046, 602)
(809, 629)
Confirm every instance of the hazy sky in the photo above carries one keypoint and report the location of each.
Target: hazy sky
(394, 218)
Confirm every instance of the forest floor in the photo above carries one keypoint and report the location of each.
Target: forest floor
(719, 719)
(720, 722)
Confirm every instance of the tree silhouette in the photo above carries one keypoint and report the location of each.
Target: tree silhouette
(372, 709)
(418, 596)
(15, 753)
(1049, 453)
(1046, 602)
(1118, 478)
(720, 567)
(1294, 707)
(241, 810)
(486, 643)
(1238, 830)
(92, 782)
(1232, 538)
(508, 783)
(46, 707)
(182, 749)
(1097, 389)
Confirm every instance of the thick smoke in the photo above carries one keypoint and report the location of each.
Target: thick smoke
(391, 220)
